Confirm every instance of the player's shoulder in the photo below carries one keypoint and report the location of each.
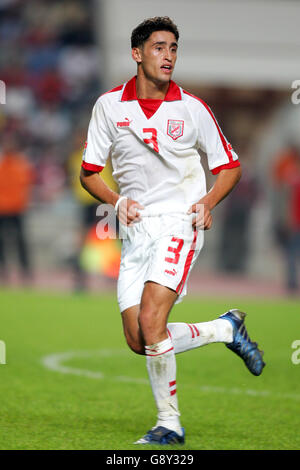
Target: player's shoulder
(197, 104)
(114, 92)
(112, 95)
(194, 100)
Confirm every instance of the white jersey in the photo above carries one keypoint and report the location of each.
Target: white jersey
(155, 155)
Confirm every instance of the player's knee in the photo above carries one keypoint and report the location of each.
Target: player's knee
(137, 348)
(135, 345)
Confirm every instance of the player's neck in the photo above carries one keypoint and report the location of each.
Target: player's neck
(150, 90)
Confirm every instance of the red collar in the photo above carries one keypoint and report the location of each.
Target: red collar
(129, 92)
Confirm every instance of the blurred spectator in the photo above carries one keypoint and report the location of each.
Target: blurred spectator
(49, 124)
(235, 232)
(87, 205)
(286, 209)
(51, 69)
(16, 178)
(51, 88)
(79, 68)
(50, 180)
(19, 102)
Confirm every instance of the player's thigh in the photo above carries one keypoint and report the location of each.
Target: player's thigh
(157, 299)
(133, 268)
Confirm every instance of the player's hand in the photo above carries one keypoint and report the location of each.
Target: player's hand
(128, 212)
(203, 219)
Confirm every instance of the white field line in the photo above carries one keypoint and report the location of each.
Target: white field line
(55, 362)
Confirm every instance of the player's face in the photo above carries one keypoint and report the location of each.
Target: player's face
(157, 56)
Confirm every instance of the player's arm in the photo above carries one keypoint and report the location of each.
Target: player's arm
(97, 148)
(222, 161)
(93, 183)
(225, 182)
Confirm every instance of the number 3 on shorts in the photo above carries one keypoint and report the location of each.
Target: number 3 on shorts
(176, 250)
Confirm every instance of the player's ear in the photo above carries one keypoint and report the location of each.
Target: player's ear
(136, 55)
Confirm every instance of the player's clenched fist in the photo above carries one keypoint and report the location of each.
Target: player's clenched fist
(203, 219)
(128, 211)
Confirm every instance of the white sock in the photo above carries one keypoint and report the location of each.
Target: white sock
(161, 365)
(186, 336)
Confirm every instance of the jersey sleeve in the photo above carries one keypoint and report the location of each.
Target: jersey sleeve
(211, 140)
(99, 141)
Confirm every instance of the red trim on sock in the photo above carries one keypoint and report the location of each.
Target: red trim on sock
(159, 354)
(171, 384)
(196, 329)
(193, 334)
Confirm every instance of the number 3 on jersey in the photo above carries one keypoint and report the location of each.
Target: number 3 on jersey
(153, 139)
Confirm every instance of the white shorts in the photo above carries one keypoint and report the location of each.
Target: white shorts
(160, 248)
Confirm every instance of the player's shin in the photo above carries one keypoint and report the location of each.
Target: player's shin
(186, 336)
(161, 365)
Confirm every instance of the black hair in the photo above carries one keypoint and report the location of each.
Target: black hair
(143, 31)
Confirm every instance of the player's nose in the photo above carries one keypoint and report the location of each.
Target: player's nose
(168, 55)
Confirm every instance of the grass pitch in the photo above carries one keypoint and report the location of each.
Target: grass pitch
(70, 382)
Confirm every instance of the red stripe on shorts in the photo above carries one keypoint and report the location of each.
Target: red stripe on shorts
(187, 265)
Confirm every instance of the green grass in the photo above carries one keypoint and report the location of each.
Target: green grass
(222, 405)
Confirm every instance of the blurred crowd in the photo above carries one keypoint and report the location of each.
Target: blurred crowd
(286, 210)
(51, 68)
(51, 71)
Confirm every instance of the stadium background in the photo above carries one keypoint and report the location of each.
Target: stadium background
(57, 57)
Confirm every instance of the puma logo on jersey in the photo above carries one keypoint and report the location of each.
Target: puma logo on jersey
(125, 123)
(173, 272)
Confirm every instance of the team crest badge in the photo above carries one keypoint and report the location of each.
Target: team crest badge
(175, 128)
